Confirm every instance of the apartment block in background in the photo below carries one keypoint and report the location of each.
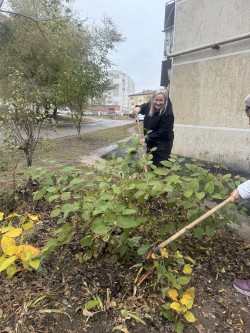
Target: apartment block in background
(137, 99)
(122, 87)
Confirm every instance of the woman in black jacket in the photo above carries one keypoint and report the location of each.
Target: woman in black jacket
(158, 125)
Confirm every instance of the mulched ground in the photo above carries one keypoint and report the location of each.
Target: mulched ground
(52, 300)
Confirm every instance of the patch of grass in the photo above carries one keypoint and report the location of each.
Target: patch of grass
(69, 150)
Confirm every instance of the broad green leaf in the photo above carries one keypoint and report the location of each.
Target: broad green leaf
(167, 314)
(86, 241)
(126, 222)
(1, 216)
(209, 231)
(66, 196)
(188, 194)
(99, 227)
(143, 250)
(39, 194)
(209, 187)
(56, 212)
(200, 195)
(53, 197)
(198, 232)
(183, 280)
(129, 211)
(179, 327)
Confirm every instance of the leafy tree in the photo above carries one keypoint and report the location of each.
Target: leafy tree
(62, 62)
(20, 118)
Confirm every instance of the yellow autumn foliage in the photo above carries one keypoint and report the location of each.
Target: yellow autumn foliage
(178, 307)
(189, 317)
(173, 294)
(164, 253)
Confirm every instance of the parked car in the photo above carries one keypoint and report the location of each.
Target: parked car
(140, 117)
(64, 111)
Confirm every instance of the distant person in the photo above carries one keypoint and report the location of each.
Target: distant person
(243, 191)
(158, 125)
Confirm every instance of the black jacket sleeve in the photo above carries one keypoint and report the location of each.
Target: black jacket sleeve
(144, 108)
(164, 130)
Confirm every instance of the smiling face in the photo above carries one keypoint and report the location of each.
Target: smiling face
(159, 101)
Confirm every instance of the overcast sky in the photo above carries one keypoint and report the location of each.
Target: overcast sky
(141, 22)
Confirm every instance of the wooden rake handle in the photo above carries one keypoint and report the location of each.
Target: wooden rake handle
(194, 223)
(140, 138)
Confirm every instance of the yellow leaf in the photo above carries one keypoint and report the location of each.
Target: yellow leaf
(5, 229)
(26, 252)
(11, 250)
(1, 216)
(7, 242)
(190, 259)
(178, 255)
(2, 258)
(187, 302)
(173, 294)
(29, 225)
(190, 292)
(12, 215)
(189, 317)
(8, 262)
(33, 217)
(188, 298)
(34, 263)
(164, 253)
(14, 233)
(179, 308)
(187, 269)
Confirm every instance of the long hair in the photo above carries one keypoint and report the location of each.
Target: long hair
(163, 92)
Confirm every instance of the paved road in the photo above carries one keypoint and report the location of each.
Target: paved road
(92, 126)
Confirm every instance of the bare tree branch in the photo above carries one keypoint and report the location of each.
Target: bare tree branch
(27, 17)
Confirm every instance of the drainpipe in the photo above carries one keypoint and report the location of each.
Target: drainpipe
(215, 45)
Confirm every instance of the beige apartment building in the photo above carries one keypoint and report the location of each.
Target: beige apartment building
(210, 77)
(138, 99)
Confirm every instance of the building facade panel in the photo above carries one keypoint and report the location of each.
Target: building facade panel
(208, 86)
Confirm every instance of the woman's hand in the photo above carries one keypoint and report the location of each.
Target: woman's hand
(137, 111)
(235, 195)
